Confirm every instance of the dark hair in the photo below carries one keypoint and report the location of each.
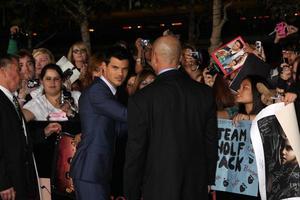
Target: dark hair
(53, 67)
(292, 46)
(188, 46)
(258, 105)
(141, 77)
(224, 96)
(24, 52)
(118, 52)
(240, 42)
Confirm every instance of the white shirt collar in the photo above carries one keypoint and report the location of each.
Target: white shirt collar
(7, 93)
(167, 69)
(111, 87)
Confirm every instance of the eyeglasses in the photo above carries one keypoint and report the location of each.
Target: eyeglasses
(77, 51)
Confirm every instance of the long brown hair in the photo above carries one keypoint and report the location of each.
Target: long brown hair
(94, 66)
(223, 94)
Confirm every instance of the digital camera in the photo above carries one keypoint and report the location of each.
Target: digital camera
(195, 55)
(258, 46)
(145, 42)
(67, 74)
(33, 83)
(66, 96)
(212, 69)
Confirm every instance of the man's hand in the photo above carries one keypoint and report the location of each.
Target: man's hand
(14, 29)
(8, 194)
(52, 128)
(138, 44)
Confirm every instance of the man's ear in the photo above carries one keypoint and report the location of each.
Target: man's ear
(180, 58)
(154, 59)
(101, 66)
(3, 71)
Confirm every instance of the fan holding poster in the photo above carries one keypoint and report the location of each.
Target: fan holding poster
(231, 56)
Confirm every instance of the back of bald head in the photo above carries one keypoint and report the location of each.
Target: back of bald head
(168, 50)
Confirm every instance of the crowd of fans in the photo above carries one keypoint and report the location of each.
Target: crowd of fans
(46, 95)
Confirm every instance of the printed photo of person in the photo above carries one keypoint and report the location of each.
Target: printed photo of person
(284, 178)
(231, 56)
(287, 154)
(235, 63)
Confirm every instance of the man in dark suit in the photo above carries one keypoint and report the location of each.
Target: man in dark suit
(172, 133)
(101, 115)
(18, 178)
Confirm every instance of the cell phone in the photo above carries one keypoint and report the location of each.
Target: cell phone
(258, 46)
(281, 29)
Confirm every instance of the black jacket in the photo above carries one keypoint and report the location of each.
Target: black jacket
(16, 161)
(172, 140)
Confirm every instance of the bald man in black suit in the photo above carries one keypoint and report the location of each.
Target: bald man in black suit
(172, 138)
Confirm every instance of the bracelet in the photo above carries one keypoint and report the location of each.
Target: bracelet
(139, 60)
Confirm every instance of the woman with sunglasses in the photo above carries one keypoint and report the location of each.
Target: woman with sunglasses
(79, 55)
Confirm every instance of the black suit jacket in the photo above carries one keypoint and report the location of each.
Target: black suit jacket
(16, 163)
(172, 140)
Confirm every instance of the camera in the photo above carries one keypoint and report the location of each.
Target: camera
(212, 69)
(33, 83)
(67, 74)
(145, 42)
(195, 55)
(67, 101)
(66, 96)
(258, 46)
(285, 60)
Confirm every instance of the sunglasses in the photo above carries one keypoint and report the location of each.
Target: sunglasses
(77, 51)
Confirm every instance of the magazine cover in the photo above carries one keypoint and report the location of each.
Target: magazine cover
(230, 56)
(69, 70)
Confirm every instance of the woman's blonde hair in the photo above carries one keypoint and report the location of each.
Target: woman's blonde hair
(40, 51)
(81, 45)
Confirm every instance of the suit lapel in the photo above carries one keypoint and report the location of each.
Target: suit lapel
(101, 82)
(7, 102)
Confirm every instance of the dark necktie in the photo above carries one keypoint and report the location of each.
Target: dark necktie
(17, 106)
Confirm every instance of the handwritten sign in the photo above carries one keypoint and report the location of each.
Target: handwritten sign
(236, 167)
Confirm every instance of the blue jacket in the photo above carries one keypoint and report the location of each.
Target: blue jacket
(101, 116)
